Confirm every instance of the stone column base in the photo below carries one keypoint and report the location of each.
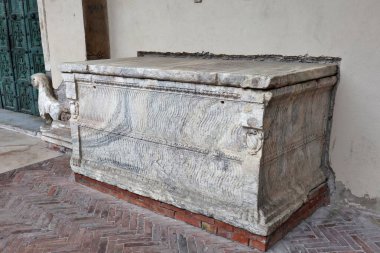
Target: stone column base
(316, 199)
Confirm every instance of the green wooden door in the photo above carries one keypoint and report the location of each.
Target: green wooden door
(21, 54)
(7, 85)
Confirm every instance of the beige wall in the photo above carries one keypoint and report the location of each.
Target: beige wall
(63, 30)
(344, 28)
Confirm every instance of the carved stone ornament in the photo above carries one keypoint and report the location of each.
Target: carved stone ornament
(48, 105)
(254, 141)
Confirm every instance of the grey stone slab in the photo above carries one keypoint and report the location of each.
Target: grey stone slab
(20, 122)
(59, 136)
(235, 73)
(18, 150)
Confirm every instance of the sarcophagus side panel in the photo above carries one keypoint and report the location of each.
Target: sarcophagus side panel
(295, 122)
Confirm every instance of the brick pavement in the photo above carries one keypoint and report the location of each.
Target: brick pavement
(42, 209)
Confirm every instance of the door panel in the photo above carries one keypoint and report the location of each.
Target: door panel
(35, 53)
(20, 54)
(20, 58)
(7, 86)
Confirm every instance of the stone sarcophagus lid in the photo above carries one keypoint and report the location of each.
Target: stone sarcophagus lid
(240, 141)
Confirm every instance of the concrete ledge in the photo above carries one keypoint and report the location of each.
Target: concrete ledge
(316, 199)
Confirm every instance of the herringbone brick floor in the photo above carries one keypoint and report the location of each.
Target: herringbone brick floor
(42, 209)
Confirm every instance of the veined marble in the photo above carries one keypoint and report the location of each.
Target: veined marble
(238, 140)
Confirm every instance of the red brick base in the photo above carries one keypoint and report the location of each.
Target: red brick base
(316, 199)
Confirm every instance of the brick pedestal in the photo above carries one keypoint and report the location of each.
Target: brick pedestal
(317, 198)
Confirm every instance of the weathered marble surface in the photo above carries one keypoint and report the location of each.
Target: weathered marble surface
(236, 73)
(210, 136)
(48, 105)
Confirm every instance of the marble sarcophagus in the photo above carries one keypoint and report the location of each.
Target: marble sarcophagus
(241, 141)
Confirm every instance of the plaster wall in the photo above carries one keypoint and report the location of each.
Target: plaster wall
(62, 33)
(343, 28)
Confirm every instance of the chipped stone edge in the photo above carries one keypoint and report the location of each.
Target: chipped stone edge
(259, 57)
(213, 78)
(21, 130)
